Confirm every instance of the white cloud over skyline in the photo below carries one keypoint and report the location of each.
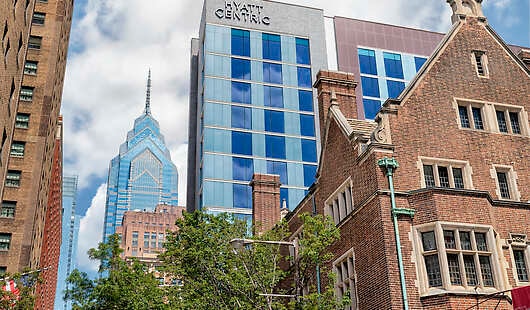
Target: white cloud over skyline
(91, 231)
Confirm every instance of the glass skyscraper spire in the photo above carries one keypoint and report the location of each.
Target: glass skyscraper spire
(142, 175)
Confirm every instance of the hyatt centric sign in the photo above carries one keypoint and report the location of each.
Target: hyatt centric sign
(241, 11)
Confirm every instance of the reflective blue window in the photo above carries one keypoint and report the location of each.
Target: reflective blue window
(309, 174)
(274, 121)
(419, 61)
(241, 117)
(393, 65)
(278, 167)
(284, 197)
(394, 88)
(305, 100)
(367, 62)
(240, 42)
(240, 69)
(307, 125)
(242, 196)
(272, 46)
(275, 146)
(272, 73)
(273, 96)
(241, 143)
(241, 92)
(302, 51)
(370, 86)
(309, 150)
(371, 107)
(304, 77)
(242, 169)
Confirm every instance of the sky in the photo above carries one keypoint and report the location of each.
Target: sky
(114, 43)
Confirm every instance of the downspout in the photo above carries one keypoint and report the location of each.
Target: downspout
(390, 164)
(318, 266)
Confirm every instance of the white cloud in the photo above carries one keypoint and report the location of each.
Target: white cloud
(91, 230)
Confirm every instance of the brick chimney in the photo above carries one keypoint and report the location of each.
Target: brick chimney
(524, 55)
(265, 201)
(343, 85)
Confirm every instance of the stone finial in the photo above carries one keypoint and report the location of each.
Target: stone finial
(463, 8)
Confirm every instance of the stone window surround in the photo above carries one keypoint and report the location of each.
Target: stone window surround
(484, 62)
(334, 204)
(519, 242)
(352, 278)
(489, 117)
(421, 272)
(511, 176)
(467, 171)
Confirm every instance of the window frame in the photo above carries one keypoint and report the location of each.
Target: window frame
(22, 123)
(5, 241)
(40, 20)
(349, 282)
(13, 178)
(27, 93)
(340, 204)
(22, 149)
(511, 178)
(8, 209)
(450, 164)
(480, 62)
(519, 242)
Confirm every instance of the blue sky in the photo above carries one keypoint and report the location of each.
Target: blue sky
(114, 43)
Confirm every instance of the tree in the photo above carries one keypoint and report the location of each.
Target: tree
(25, 283)
(126, 284)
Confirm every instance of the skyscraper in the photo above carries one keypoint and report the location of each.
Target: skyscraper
(251, 103)
(142, 175)
(70, 233)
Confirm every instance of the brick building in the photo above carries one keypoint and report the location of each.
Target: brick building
(34, 42)
(460, 136)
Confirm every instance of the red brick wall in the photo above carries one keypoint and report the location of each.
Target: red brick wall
(265, 201)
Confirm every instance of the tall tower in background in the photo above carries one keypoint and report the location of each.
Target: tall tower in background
(142, 175)
(34, 41)
(252, 107)
(70, 233)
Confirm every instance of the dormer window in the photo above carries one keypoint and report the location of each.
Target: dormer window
(481, 63)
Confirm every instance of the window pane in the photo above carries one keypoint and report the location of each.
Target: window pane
(367, 61)
(419, 61)
(272, 73)
(393, 66)
(371, 108)
(242, 196)
(241, 92)
(449, 239)
(433, 270)
(309, 174)
(458, 178)
(394, 88)
(272, 48)
(514, 122)
(309, 150)
(279, 168)
(520, 265)
(275, 146)
(471, 273)
(8, 209)
(428, 241)
(307, 125)
(274, 121)
(501, 120)
(464, 119)
(240, 42)
(302, 51)
(485, 269)
(503, 185)
(305, 100)
(477, 118)
(241, 117)
(454, 269)
(370, 86)
(480, 239)
(242, 168)
(428, 174)
(304, 77)
(241, 143)
(240, 69)
(273, 96)
(465, 241)
(443, 175)
(5, 241)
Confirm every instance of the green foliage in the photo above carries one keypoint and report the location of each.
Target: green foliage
(126, 285)
(26, 282)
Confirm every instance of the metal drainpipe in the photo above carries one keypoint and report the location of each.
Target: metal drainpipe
(318, 267)
(390, 164)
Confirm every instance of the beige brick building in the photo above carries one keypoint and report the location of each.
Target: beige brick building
(460, 195)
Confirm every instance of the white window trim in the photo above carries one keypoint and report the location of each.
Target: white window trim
(336, 206)
(421, 271)
(353, 286)
(524, 245)
(467, 171)
(512, 177)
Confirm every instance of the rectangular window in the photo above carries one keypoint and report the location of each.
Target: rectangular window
(371, 108)
(153, 240)
(241, 117)
(161, 240)
(305, 100)
(17, 149)
(146, 240)
(345, 286)
(5, 241)
(370, 86)
(279, 168)
(240, 42)
(486, 270)
(432, 265)
(13, 178)
(446, 173)
(302, 51)
(38, 18)
(274, 121)
(3, 270)
(464, 119)
(309, 174)
(35, 42)
(367, 62)
(30, 67)
(8, 209)
(26, 93)
(419, 61)
(514, 122)
(272, 73)
(443, 176)
(242, 168)
(241, 92)
(309, 150)
(242, 196)
(241, 143)
(275, 146)
(393, 67)
(240, 69)
(340, 204)
(480, 63)
(504, 187)
(458, 178)
(272, 47)
(273, 96)
(307, 125)
(520, 265)
(394, 88)
(134, 239)
(304, 77)
(22, 121)
(471, 272)
(501, 121)
(477, 118)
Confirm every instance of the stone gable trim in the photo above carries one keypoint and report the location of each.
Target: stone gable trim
(508, 51)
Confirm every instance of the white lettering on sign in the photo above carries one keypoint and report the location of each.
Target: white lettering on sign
(242, 11)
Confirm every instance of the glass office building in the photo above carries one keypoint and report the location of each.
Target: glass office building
(142, 175)
(252, 107)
